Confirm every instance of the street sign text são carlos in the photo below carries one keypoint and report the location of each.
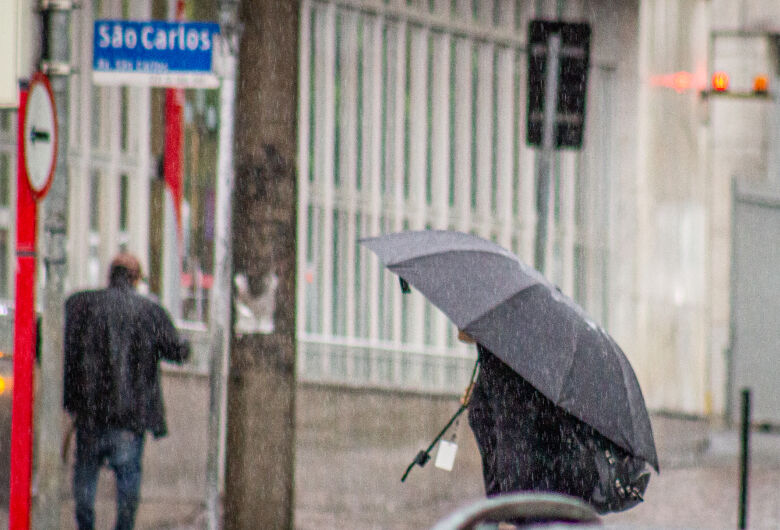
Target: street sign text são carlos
(153, 37)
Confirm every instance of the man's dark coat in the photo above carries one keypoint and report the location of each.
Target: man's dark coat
(525, 441)
(114, 339)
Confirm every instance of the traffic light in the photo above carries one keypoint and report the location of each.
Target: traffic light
(720, 81)
(761, 84)
(720, 86)
(574, 60)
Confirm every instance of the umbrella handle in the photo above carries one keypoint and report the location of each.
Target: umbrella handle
(423, 456)
(421, 459)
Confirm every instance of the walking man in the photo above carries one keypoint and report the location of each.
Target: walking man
(114, 340)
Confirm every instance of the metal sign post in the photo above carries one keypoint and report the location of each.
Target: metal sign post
(545, 164)
(220, 304)
(37, 153)
(558, 59)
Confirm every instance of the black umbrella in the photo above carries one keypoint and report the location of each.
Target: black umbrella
(512, 310)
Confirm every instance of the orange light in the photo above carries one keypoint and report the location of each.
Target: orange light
(2, 384)
(761, 84)
(681, 81)
(720, 81)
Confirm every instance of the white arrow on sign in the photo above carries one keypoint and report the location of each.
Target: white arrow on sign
(40, 135)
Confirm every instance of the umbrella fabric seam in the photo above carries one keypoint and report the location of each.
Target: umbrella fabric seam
(451, 251)
(499, 304)
(569, 372)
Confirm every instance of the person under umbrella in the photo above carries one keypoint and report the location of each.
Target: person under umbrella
(527, 443)
(556, 396)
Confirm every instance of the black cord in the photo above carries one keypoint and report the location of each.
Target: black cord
(423, 456)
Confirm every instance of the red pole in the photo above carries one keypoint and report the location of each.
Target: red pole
(24, 340)
(174, 139)
(172, 159)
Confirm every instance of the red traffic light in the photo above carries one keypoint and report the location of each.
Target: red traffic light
(720, 81)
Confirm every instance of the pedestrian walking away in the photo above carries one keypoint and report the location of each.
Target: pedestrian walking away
(114, 341)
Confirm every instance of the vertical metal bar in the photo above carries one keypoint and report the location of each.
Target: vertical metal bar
(138, 218)
(374, 186)
(396, 166)
(418, 171)
(484, 139)
(220, 304)
(567, 224)
(744, 461)
(304, 163)
(327, 100)
(526, 163)
(463, 128)
(418, 118)
(49, 398)
(109, 182)
(440, 131)
(365, 198)
(440, 154)
(348, 129)
(323, 73)
(545, 167)
(79, 192)
(526, 156)
(505, 142)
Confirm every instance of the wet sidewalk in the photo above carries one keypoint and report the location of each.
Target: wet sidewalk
(352, 449)
(359, 487)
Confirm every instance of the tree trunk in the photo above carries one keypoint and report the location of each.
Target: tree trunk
(261, 383)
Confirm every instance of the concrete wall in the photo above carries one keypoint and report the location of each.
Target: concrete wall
(671, 203)
(691, 147)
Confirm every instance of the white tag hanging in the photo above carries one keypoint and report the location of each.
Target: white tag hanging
(445, 457)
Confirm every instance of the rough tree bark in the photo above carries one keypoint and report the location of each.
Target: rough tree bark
(261, 384)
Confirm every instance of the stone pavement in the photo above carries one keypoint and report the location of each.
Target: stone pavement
(353, 448)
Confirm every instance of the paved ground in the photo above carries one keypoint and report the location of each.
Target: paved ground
(350, 480)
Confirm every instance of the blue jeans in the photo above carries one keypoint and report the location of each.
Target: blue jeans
(122, 451)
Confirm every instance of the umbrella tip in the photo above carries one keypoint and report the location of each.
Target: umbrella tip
(404, 286)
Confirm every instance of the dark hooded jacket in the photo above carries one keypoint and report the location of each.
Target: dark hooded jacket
(526, 442)
(114, 340)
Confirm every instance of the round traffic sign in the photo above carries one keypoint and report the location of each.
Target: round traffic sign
(40, 135)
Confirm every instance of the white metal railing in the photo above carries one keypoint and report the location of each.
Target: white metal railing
(366, 363)
(412, 117)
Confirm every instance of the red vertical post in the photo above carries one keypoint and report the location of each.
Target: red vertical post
(24, 339)
(174, 138)
(172, 159)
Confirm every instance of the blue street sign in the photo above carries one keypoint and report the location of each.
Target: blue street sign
(154, 52)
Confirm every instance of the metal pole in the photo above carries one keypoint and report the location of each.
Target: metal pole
(545, 160)
(49, 466)
(744, 462)
(24, 339)
(220, 306)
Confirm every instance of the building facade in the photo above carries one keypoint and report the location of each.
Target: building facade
(412, 116)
